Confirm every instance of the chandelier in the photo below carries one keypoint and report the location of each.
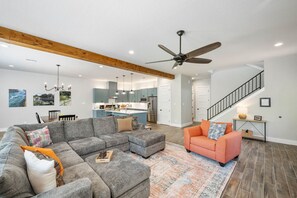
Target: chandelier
(57, 87)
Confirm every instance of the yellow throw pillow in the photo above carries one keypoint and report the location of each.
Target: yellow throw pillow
(125, 124)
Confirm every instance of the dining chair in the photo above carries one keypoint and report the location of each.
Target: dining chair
(53, 114)
(66, 117)
(38, 117)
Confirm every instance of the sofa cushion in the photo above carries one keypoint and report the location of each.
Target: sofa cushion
(104, 126)
(204, 142)
(205, 124)
(145, 138)
(73, 173)
(69, 158)
(124, 124)
(12, 153)
(114, 139)
(122, 173)
(79, 129)
(41, 172)
(59, 147)
(56, 129)
(39, 137)
(14, 182)
(216, 131)
(87, 145)
(15, 135)
(13, 173)
(135, 124)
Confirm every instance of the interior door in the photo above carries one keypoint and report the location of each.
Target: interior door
(202, 102)
(164, 104)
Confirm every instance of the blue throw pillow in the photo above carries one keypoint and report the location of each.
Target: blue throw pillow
(216, 131)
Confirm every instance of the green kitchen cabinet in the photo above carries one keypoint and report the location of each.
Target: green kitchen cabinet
(155, 91)
(132, 97)
(143, 93)
(100, 95)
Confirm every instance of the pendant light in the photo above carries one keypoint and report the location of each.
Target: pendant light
(131, 91)
(57, 87)
(117, 92)
(124, 92)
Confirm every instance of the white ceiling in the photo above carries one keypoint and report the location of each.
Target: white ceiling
(247, 29)
(43, 62)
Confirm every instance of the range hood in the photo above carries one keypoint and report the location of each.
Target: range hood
(112, 88)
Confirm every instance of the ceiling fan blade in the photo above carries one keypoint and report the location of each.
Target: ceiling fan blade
(159, 61)
(198, 60)
(175, 65)
(167, 50)
(203, 50)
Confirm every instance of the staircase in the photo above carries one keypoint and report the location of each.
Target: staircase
(246, 89)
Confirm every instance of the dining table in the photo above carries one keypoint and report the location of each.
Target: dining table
(47, 119)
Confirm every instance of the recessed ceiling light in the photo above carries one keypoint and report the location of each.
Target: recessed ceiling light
(11, 66)
(79, 75)
(193, 78)
(131, 52)
(3, 45)
(101, 66)
(278, 44)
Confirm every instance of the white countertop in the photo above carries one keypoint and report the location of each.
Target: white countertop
(126, 111)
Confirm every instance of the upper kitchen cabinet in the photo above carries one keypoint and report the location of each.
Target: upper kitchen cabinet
(100, 95)
(151, 92)
(143, 93)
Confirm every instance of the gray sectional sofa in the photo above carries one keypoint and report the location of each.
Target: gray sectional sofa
(76, 143)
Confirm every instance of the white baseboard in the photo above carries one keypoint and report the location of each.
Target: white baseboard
(282, 141)
(181, 125)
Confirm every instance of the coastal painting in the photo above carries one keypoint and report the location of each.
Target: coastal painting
(65, 98)
(43, 99)
(17, 97)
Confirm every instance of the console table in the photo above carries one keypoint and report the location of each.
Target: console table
(252, 122)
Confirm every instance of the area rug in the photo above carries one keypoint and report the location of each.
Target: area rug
(176, 173)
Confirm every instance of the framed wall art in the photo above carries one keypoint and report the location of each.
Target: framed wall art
(265, 102)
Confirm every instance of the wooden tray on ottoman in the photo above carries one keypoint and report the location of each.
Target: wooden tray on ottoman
(107, 158)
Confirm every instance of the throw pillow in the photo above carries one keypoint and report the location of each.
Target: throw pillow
(125, 124)
(216, 130)
(39, 137)
(41, 173)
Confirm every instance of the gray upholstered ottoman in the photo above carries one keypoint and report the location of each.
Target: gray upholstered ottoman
(146, 143)
(124, 176)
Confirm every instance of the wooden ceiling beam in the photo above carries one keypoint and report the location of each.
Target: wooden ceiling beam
(34, 42)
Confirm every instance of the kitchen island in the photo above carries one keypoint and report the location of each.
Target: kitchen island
(140, 114)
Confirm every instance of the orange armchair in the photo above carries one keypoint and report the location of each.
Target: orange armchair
(222, 150)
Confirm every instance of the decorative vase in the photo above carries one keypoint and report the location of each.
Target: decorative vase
(242, 116)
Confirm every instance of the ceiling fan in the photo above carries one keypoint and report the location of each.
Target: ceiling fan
(189, 57)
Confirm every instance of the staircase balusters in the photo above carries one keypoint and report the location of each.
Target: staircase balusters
(247, 88)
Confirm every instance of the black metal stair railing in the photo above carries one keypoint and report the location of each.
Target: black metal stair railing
(247, 88)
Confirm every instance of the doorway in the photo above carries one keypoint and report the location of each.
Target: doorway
(202, 102)
(164, 104)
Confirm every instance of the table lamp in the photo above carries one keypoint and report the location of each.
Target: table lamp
(242, 111)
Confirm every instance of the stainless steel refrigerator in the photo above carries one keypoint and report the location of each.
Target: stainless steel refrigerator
(152, 109)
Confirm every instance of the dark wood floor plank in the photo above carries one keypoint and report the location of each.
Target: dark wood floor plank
(247, 179)
(257, 190)
(259, 173)
(232, 187)
(292, 184)
(269, 174)
(282, 190)
(269, 190)
(242, 193)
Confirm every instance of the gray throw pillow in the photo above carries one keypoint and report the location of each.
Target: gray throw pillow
(216, 130)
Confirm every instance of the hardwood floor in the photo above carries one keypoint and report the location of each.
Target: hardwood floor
(262, 170)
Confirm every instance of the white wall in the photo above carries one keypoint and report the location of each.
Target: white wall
(225, 81)
(181, 99)
(280, 85)
(33, 83)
